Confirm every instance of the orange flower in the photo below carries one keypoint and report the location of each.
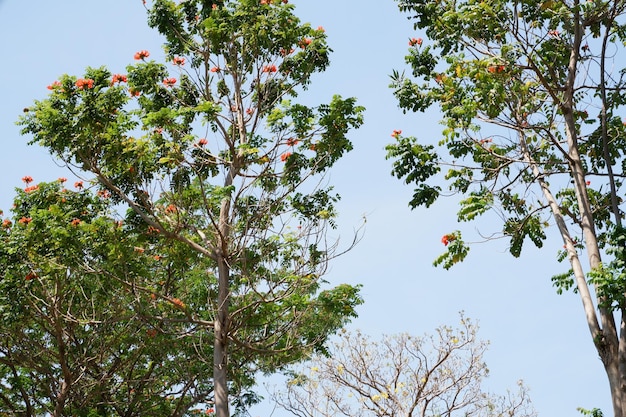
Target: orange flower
(141, 54)
(203, 142)
(305, 42)
(292, 141)
(179, 60)
(6, 223)
(75, 222)
(151, 333)
(25, 220)
(81, 83)
(31, 275)
(118, 78)
(169, 82)
(27, 179)
(178, 303)
(31, 188)
(285, 156)
(415, 41)
(62, 179)
(134, 92)
(53, 85)
(249, 112)
(138, 249)
(215, 69)
(214, 6)
(270, 68)
(78, 184)
(446, 239)
(396, 133)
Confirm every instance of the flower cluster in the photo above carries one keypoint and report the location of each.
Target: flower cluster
(203, 142)
(118, 78)
(169, 82)
(81, 83)
(446, 239)
(54, 85)
(305, 42)
(496, 69)
(285, 156)
(270, 68)
(25, 220)
(31, 188)
(396, 133)
(415, 41)
(178, 60)
(141, 54)
(27, 179)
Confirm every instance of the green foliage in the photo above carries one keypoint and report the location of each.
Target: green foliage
(82, 328)
(504, 66)
(456, 250)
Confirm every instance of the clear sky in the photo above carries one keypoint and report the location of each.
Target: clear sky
(536, 335)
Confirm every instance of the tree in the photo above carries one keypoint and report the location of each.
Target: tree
(221, 160)
(77, 336)
(530, 96)
(401, 375)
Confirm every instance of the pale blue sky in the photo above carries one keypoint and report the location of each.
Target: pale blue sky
(536, 335)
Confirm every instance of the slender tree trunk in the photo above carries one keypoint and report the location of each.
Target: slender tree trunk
(220, 348)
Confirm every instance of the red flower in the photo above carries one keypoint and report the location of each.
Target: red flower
(78, 184)
(53, 85)
(249, 112)
(81, 83)
(171, 209)
(305, 42)
(169, 82)
(321, 29)
(62, 180)
(30, 276)
(31, 188)
(6, 223)
(396, 133)
(270, 68)
(118, 78)
(75, 222)
(27, 179)
(588, 183)
(203, 142)
(25, 220)
(141, 54)
(447, 239)
(292, 142)
(415, 41)
(554, 33)
(285, 52)
(134, 93)
(179, 60)
(215, 69)
(138, 249)
(285, 156)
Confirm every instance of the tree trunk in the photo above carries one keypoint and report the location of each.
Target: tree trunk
(220, 344)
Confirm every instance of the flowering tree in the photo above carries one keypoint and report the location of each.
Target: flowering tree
(401, 375)
(530, 97)
(218, 158)
(77, 334)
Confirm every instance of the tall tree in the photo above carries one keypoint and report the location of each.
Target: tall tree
(401, 375)
(530, 94)
(220, 159)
